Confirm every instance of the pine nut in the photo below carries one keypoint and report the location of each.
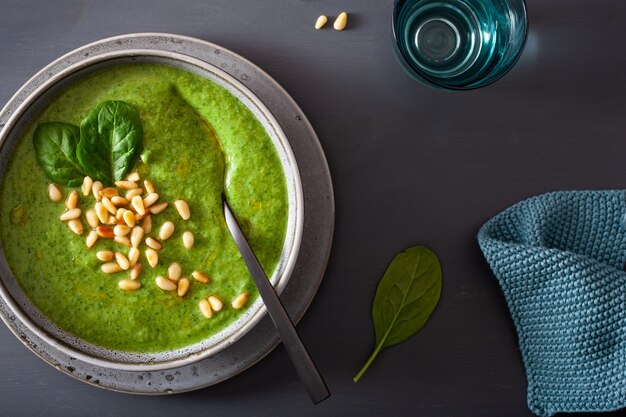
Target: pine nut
(92, 218)
(165, 284)
(153, 243)
(102, 212)
(105, 255)
(150, 199)
(119, 215)
(216, 303)
(111, 268)
(152, 256)
(167, 230)
(158, 208)
(105, 232)
(320, 22)
(147, 223)
(109, 205)
(188, 240)
(133, 176)
(95, 189)
(70, 214)
(75, 226)
(174, 271)
(240, 300)
(86, 187)
(129, 218)
(126, 185)
(91, 240)
(121, 230)
(122, 260)
(109, 192)
(133, 256)
(112, 220)
(341, 21)
(119, 201)
(54, 193)
(183, 286)
(129, 285)
(137, 204)
(135, 271)
(148, 186)
(139, 216)
(183, 209)
(136, 236)
(131, 193)
(200, 276)
(205, 308)
(72, 200)
(123, 240)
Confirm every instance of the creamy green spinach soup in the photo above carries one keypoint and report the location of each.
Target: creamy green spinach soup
(198, 140)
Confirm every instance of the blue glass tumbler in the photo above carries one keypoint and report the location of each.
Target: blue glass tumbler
(458, 44)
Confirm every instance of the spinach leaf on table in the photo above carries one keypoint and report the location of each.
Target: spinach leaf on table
(55, 147)
(406, 296)
(110, 141)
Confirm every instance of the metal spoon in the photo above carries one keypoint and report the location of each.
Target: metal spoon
(297, 352)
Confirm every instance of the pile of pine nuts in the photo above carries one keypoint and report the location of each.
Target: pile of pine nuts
(127, 219)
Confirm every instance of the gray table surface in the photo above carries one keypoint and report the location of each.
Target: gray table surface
(410, 166)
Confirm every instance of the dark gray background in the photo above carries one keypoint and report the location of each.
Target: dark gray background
(410, 166)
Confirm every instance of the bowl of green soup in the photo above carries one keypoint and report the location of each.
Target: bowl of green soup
(112, 236)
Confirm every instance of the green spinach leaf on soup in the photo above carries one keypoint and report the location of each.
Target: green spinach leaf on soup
(55, 147)
(110, 141)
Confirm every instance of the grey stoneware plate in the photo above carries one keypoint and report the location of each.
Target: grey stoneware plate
(306, 250)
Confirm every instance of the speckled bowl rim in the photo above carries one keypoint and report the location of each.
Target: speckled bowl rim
(48, 331)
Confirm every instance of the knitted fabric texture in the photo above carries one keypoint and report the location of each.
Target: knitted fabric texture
(559, 259)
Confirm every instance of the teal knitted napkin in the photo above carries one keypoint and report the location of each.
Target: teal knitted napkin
(559, 258)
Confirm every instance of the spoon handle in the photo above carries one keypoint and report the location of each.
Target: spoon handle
(287, 332)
